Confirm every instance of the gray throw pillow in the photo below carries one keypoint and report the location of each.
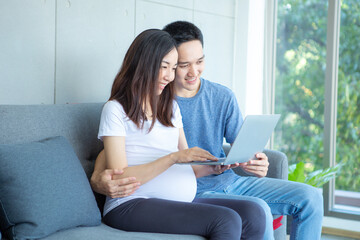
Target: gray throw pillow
(43, 189)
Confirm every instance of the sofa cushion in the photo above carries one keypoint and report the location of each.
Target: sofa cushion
(43, 189)
(105, 232)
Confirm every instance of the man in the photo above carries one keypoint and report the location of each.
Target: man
(210, 113)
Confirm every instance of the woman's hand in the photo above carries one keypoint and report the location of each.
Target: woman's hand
(219, 169)
(204, 170)
(258, 167)
(191, 154)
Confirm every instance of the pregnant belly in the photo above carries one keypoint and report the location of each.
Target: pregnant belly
(177, 183)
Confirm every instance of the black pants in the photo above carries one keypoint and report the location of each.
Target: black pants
(221, 219)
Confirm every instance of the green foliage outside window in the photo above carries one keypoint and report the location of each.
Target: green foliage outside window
(300, 86)
(318, 178)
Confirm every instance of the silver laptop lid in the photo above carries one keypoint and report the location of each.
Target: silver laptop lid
(254, 133)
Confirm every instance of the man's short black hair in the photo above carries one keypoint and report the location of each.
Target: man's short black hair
(183, 31)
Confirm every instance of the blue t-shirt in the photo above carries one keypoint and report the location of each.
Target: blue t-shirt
(208, 117)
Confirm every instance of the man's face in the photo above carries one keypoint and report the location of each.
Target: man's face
(190, 66)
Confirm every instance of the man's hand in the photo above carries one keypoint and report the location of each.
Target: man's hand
(105, 184)
(258, 167)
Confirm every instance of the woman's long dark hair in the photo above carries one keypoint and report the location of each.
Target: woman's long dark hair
(137, 80)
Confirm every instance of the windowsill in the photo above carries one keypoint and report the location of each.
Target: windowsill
(341, 227)
(347, 198)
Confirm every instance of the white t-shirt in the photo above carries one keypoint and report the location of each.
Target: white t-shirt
(177, 183)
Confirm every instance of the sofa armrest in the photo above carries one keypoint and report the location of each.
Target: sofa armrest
(278, 164)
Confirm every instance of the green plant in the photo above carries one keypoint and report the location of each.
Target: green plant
(298, 173)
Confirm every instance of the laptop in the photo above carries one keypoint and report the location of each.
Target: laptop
(254, 133)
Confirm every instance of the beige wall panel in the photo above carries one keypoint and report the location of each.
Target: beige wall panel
(92, 38)
(27, 52)
(155, 15)
(218, 34)
(223, 7)
(189, 4)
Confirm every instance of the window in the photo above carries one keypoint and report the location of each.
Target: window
(317, 83)
(300, 81)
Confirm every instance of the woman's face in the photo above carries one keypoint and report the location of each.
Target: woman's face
(167, 70)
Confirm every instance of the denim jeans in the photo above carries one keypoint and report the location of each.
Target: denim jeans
(279, 197)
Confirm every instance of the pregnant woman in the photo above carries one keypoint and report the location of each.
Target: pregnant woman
(141, 128)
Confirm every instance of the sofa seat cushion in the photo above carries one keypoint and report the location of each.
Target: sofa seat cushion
(43, 189)
(105, 232)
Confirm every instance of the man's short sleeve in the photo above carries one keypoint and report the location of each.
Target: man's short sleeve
(234, 120)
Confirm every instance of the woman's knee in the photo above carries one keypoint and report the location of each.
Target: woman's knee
(233, 217)
(260, 206)
(255, 210)
(254, 220)
(228, 217)
(227, 224)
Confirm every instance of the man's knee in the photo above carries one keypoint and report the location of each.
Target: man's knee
(314, 199)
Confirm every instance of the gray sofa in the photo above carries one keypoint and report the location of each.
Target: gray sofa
(78, 123)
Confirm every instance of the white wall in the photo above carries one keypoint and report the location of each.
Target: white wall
(68, 51)
(255, 64)
(249, 55)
